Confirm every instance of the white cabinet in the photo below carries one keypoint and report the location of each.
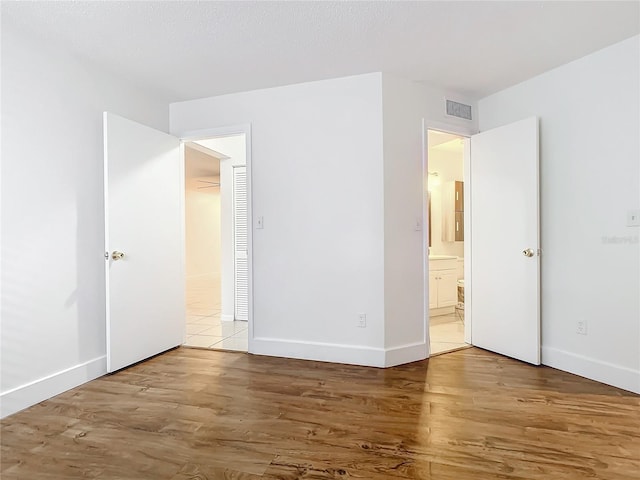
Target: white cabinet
(433, 290)
(443, 288)
(447, 288)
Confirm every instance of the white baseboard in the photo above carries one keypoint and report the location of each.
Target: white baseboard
(24, 396)
(615, 375)
(411, 352)
(338, 353)
(321, 352)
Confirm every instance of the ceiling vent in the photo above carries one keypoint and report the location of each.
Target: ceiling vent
(460, 110)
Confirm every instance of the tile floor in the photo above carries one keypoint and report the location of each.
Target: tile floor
(204, 325)
(446, 332)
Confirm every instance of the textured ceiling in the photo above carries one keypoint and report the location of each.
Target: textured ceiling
(187, 49)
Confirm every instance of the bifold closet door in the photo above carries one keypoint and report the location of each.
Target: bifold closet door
(241, 245)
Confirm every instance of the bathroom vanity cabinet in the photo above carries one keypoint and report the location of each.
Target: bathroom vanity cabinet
(443, 288)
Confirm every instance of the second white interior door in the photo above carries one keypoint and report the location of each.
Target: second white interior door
(505, 266)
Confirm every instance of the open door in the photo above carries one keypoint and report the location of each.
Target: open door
(143, 242)
(505, 241)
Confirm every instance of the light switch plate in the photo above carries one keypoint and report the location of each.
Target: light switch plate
(633, 218)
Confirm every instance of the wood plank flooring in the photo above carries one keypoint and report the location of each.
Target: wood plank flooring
(197, 414)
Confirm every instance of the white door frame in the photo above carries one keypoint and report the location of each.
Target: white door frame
(227, 131)
(466, 132)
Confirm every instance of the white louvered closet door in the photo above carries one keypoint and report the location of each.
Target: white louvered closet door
(240, 241)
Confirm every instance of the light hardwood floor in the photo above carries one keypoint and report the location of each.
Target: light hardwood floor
(196, 414)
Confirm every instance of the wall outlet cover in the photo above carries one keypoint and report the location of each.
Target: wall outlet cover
(581, 327)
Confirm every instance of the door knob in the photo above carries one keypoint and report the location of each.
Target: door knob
(528, 252)
(116, 255)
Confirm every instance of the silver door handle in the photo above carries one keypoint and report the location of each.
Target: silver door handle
(116, 255)
(528, 252)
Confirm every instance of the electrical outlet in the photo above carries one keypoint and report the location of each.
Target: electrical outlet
(581, 327)
(633, 218)
(362, 320)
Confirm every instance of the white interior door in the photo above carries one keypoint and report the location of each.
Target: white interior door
(143, 220)
(240, 242)
(505, 263)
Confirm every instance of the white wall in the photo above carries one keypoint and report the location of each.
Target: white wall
(449, 165)
(234, 147)
(406, 104)
(202, 228)
(52, 314)
(316, 174)
(590, 177)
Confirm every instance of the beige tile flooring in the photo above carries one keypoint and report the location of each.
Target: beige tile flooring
(204, 325)
(446, 332)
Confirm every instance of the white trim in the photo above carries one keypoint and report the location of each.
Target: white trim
(468, 239)
(337, 353)
(227, 318)
(217, 132)
(320, 352)
(462, 130)
(604, 372)
(411, 352)
(183, 231)
(107, 245)
(31, 393)
(425, 242)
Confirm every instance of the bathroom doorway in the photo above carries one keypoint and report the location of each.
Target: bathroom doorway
(445, 186)
(215, 243)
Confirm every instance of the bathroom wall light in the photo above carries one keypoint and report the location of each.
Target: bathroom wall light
(433, 180)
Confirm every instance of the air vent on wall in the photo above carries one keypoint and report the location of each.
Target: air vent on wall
(459, 110)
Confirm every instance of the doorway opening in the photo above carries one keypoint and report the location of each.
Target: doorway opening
(445, 203)
(216, 243)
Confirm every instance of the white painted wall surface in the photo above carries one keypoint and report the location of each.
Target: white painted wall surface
(317, 181)
(52, 313)
(404, 283)
(405, 105)
(233, 147)
(590, 177)
(202, 228)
